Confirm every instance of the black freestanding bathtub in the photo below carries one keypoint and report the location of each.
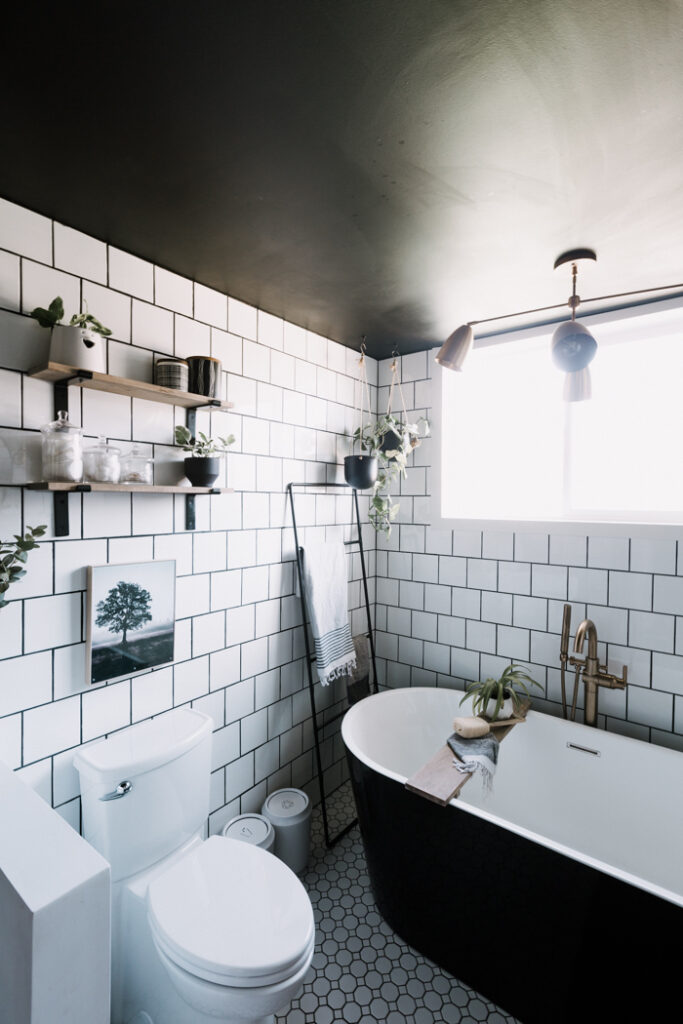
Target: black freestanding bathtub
(558, 895)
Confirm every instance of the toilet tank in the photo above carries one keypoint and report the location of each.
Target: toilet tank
(162, 769)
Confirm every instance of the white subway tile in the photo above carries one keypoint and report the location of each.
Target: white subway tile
(190, 680)
(481, 636)
(191, 338)
(413, 367)
(24, 232)
(630, 590)
(497, 544)
(255, 656)
(106, 709)
(9, 280)
(668, 594)
(71, 559)
(545, 648)
(267, 617)
(513, 643)
(152, 513)
(496, 607)
(10, 740)
(69, 671)
(549, 581)
(316, 348)
(305, 377)
(239, 777)
(425, 567)
(531, 547)
(588, 585)
(228, 349)
(25, 683)
(152, 327)
(151, 694)
(608, 552)
(125, 360)
(130, 274)
(51, 728)
(106, 515)
(464, 664)
(611, 623)
(269, 401)
(80, 254)
(24, 343)
(453, 571)
(424, 625)
(650, 707)
(111, 308)
(172, 291)
(667, 673)
(176, 546)
(242, 319)
(482, 574)
(208, 633)
(567, 549)
(255, 436)
(192, 595)
(106, 415)
(40, 285)
(514, 577)
(653, 555)
(530, 612)
(51, 622)
(242, 392)
(211, 306)
(652, 631)
(295, 340)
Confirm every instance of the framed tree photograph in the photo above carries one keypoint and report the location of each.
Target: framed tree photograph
(130, 618)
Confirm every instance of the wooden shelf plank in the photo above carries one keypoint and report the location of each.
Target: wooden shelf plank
(85, 488)
(58, 372)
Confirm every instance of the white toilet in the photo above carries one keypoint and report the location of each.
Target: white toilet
(202, 929)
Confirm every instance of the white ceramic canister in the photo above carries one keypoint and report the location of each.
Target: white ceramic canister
(251, 828)
(172, 373)
(78, 347)
(289, 812)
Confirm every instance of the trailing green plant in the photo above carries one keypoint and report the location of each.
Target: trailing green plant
(52, 316)
(500, 689)
(201, 446)
(392, 441)
(13, 558)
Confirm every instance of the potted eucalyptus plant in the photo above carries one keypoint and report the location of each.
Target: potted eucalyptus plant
(80, 343)
(203, 464)
(499, 698)
(13, 558)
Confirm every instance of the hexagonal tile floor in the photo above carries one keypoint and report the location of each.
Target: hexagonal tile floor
(362, 972)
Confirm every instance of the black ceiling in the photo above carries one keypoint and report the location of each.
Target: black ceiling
(379, 167)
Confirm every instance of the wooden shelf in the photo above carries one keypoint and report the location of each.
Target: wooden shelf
(58, 373)
(87, 487)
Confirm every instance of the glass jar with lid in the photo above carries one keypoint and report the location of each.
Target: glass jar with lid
(62, 450)
(136, 467)
(102, 463)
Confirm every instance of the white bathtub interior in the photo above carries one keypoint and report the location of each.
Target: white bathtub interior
(618, 809)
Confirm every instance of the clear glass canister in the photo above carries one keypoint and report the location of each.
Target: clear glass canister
(62, 450)
(136, 467)
(102, 463)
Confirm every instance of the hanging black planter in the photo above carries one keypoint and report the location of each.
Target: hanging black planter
(360, 471)
(202, 472)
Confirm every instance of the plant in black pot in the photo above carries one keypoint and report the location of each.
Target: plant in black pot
(360, 471)
(498, 698)
(203, 464)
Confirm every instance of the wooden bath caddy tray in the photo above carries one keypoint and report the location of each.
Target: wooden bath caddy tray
(439, 781)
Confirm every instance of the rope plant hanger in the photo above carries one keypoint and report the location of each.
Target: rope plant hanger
(360, 471)
(389, 440)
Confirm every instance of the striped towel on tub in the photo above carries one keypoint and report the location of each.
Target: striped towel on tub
(326, 593)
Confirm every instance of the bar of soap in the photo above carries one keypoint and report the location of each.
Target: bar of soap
(468, 728)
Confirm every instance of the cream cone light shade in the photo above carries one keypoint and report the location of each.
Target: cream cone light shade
(455, 348)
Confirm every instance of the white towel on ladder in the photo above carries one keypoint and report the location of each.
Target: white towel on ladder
(326, 594)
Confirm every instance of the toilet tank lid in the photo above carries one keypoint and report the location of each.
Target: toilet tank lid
(145, 746)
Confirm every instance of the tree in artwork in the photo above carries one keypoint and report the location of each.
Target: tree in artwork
(125, 608)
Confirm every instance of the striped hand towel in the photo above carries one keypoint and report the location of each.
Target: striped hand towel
(326, 593)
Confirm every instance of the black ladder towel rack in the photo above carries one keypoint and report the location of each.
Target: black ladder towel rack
(310, 656)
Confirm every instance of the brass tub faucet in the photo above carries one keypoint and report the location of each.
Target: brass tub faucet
(594, 674)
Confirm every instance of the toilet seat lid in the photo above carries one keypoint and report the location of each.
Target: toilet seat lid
(233, 913)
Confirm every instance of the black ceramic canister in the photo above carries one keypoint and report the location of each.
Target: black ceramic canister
(205, 376)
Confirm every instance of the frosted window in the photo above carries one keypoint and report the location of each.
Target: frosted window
(512, 449)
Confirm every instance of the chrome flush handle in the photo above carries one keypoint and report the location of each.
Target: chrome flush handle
(123, 789)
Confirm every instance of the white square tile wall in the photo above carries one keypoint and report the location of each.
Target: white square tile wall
(239, 643)
(498, 596)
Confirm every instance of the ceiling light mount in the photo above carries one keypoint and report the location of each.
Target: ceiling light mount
(574, 256)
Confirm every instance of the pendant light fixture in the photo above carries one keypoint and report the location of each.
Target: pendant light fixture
(573, 346)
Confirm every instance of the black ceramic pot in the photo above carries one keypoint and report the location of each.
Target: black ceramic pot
(360, 471)
(202, 472)
(204, 376)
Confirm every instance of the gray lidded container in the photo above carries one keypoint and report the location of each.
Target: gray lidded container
(289, 812)
(251, 828)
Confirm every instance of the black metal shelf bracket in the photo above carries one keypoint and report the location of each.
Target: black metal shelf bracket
(310, 657)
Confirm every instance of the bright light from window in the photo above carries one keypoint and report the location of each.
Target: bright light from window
(512, 449)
